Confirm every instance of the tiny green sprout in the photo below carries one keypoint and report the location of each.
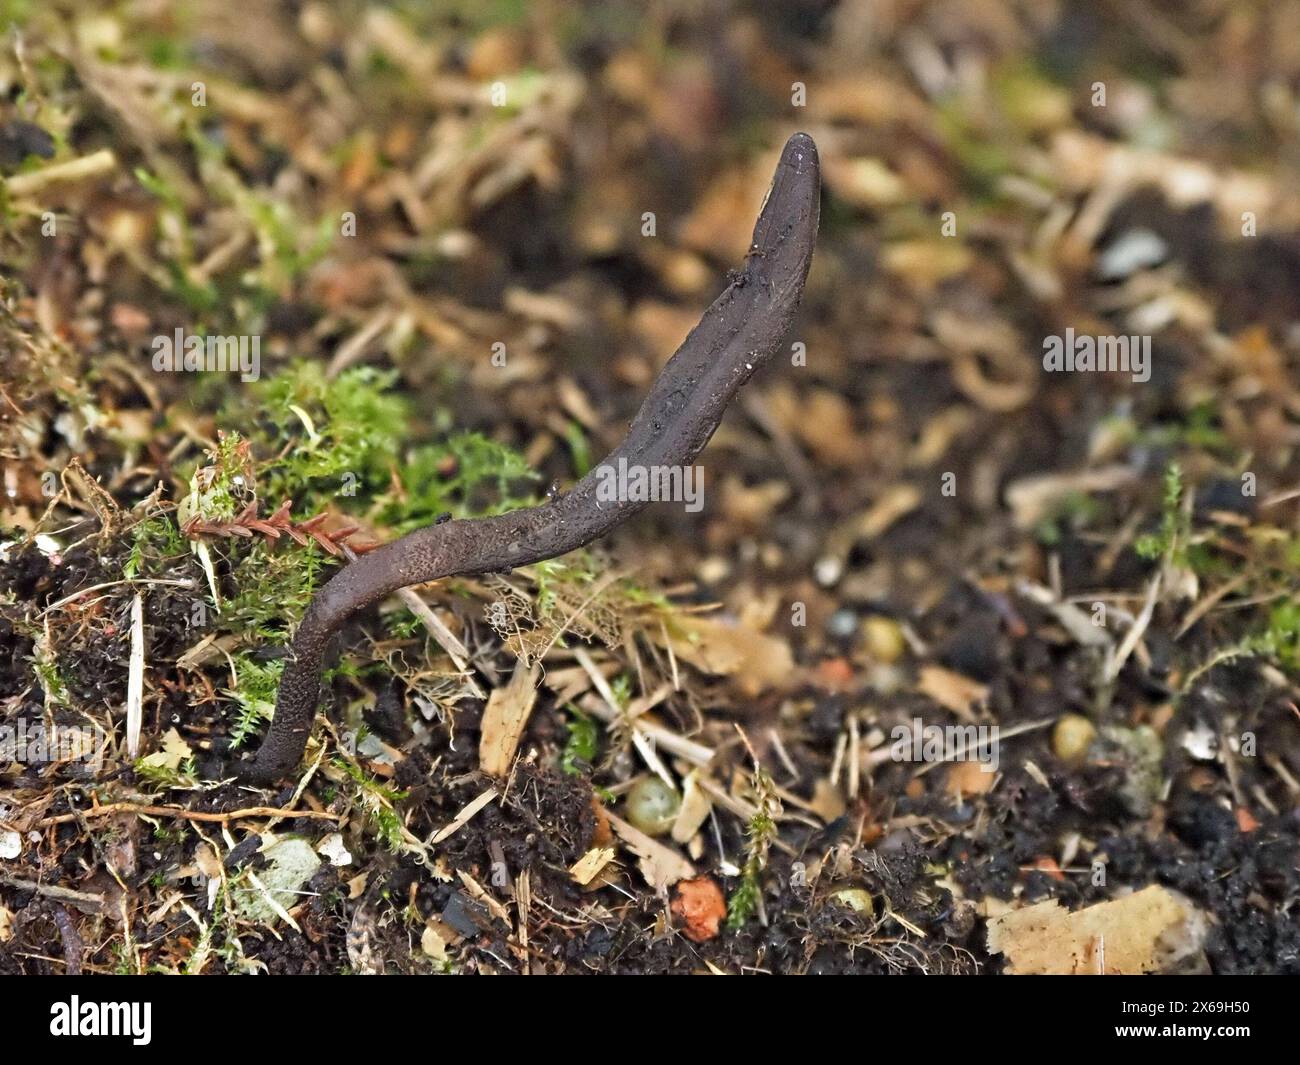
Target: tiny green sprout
(1171, 540)
(378, 802)
(580, 448)
(152, 540)
(745, 899)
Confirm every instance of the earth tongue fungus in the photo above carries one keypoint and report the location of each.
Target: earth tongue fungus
(739, 332)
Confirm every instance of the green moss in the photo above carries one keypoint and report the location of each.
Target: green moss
(1076, 511)
(255, 687)
(1199, 428)
(224, 486)
(1281, 637)
(583, 743)
(274, 584)
(378, 801)
(330, 438)
(153, 541)
(552, 575)
(579, 447)
(1171, 540)
(52, 681)
(467, 475)
(761, 832)
(341, 441)
(160, 776)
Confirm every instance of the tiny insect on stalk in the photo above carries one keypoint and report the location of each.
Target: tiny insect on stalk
(739, 332)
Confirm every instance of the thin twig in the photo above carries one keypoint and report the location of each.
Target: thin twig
(188, 815)
(88, 166)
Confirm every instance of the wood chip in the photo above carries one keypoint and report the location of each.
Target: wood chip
(94, 165)
(1153, 930)
(695, 753)
(463, 818)
(481, 894)
(584, 870)
(1135, 632)
(135, 678)
(660, 865)
(504, 720)
(757, 662)
(1032, 499)
(952, 691)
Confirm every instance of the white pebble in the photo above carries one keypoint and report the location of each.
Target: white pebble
(11, 845)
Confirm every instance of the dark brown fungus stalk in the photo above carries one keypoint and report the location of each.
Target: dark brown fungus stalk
(738, 333)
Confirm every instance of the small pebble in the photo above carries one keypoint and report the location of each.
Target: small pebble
(713, 569)
(701, 906)
(969, 778)
(1136, 250)
(11, 845)
(855, 898)
(1072, 737)
(843, 623)
(883, 638)
(828, 571)
(652, 806)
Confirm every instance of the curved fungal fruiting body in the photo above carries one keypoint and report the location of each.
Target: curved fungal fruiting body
(738, 333)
